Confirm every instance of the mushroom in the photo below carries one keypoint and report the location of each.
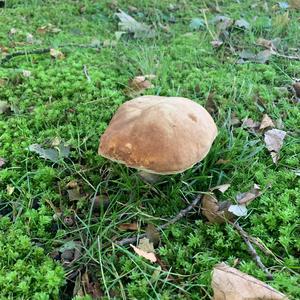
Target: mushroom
(158, 135)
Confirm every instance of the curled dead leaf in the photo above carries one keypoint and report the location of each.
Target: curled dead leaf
(230, 283)
(152, 234)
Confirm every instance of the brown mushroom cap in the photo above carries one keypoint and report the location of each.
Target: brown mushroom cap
(162, 135)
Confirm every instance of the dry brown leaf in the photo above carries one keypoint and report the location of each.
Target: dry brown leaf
(214, 211)
(274, 141)
(231, 284)
(216, 43)
(56, 54)
(139, 84)
(269, 44)
(128, 226)
(148, 255)
(222, 188)
(246, 198)
(210, 104)
(266, 122)
(234, 120)
(74, 194)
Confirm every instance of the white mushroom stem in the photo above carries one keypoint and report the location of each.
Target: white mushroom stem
(149, 177)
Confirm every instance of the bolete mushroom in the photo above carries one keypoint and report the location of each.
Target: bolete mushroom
(158, 135)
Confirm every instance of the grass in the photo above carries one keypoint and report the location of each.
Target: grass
(57, 101)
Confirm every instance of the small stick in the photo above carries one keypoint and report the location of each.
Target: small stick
(86, 73)
(251, 249)
(179, 216)
(256, 258)
(291, 57)
(253, 240)
(43, 51)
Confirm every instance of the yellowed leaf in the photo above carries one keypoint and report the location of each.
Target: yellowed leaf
(10, 189)
(282, 20)
(146, 245)
(230, 283)
(148, 255)
(56, 53)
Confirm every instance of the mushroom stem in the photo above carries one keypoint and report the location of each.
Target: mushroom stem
(149, 177)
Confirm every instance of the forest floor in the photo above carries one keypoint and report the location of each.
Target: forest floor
(63, 207)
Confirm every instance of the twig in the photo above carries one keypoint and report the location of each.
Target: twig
(251, 249)
(86, 73)
(179, 216)
(253, 240)
(291, 57)
(43, 51)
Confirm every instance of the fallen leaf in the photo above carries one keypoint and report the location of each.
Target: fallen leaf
(210, 105)
(196, 24)
(10, 189)
(48, 28)
(214, 211)
(242, 23)
(239, 210)
(139, 84)
(72, 184)
(26, 73)
(152, 234)
(274, 141)
(51, 154)
(222, 188)
(4, 107)
(222, 161)
(2, 162)
(230, 283)
(130, 25)
(234, 120)
(269, 44)
(148, 255)
(295, 4)
(266, 122)
(249, 123)
(263, 56)
(223, 23)
(54, 53)
(146, 245)
(2, 82)
(246, 198)
(74, 194)
(128, 226)
(296, 87)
